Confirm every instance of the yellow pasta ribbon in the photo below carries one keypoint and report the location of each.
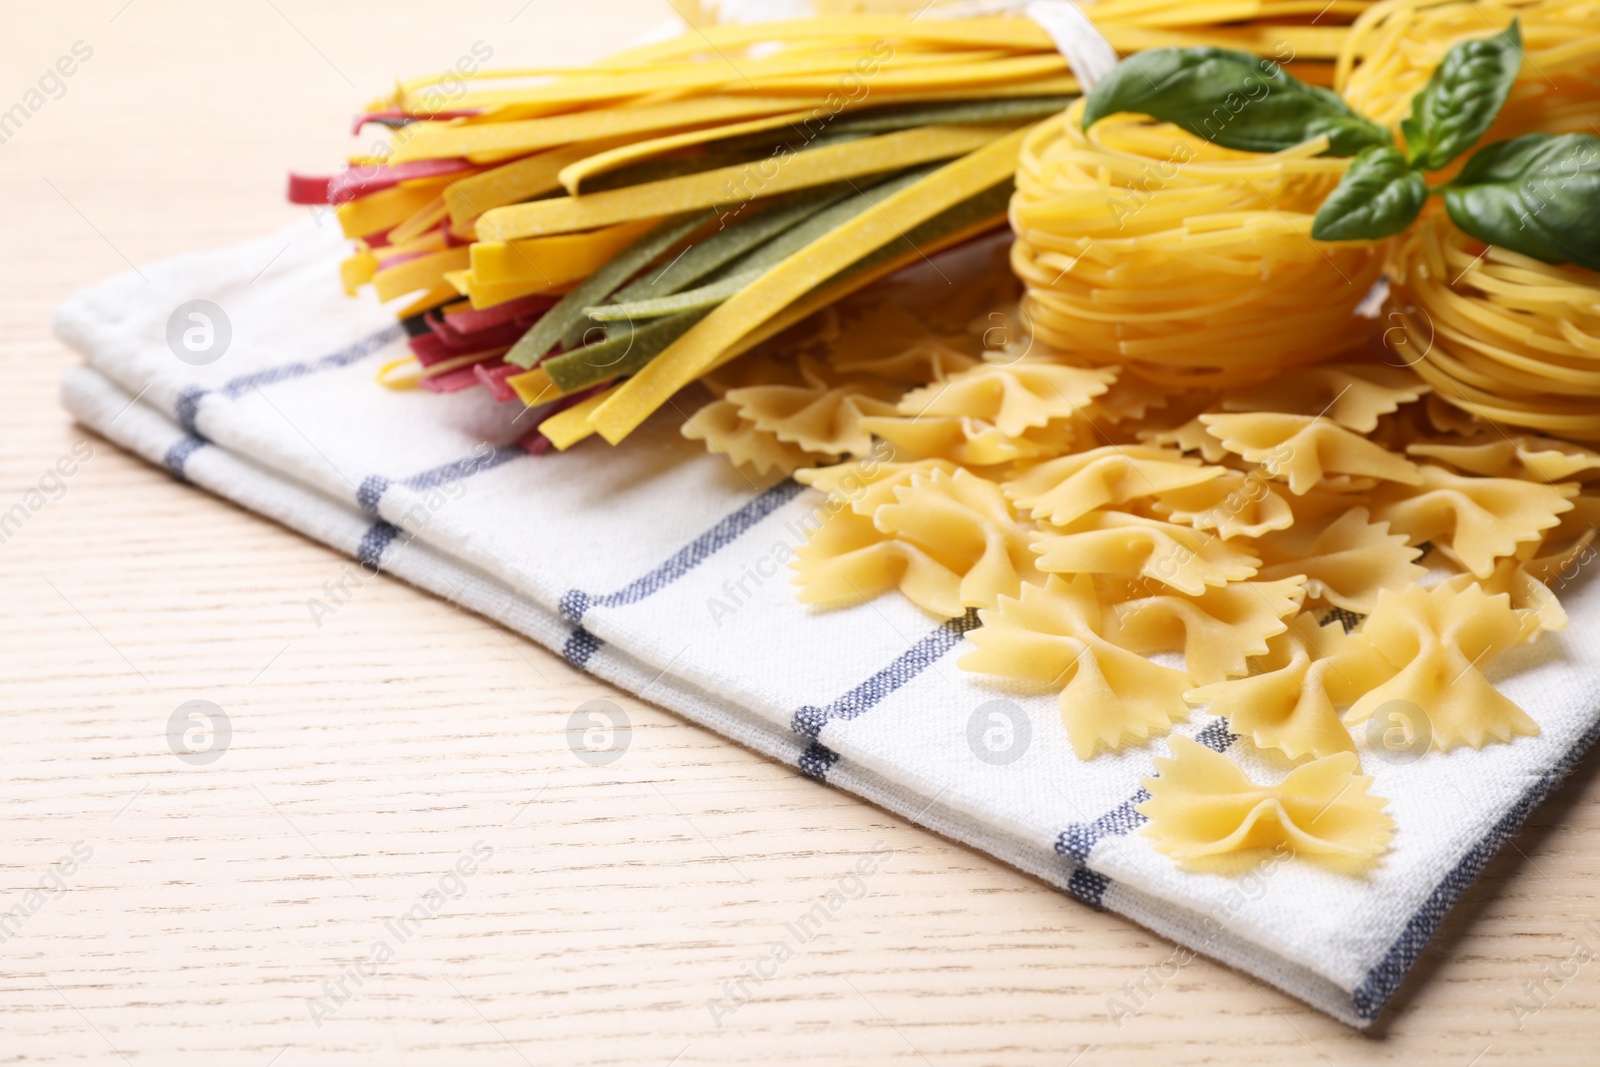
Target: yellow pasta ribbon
(697, 350)
(438, 140)
(568, 427)
(726, 185)
(425, 272)
(551, 261)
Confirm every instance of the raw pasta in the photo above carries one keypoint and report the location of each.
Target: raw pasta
(1202, 805)
(1188, 264)
(1475, 520)
(1501, 336)
(1393, 49)
(1055, 634)
(1291, 705)
(1061, 491)
(1437, 642)
(949, 541)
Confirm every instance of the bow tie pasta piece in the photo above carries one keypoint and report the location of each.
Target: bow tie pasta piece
(1527, 582)
(1063, 490)
(1347, 564)
(1217, 631)
(1437, 642)
(1234, 504)
(948, 541)
(1014, 397)
(1476, 520)
(1203, 805)
(1308, 672)
(1538, 459)
(823, 416)
(1131, 399)
(871, 331)
(1052, 634)
(1353, 395)
(1305, 449)
(968, 441)
(917, 364)
(868, 483)
(1190, 436)
(1133, 546)
(1584, 516)
(722, 429)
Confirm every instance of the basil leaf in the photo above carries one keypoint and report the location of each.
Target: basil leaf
(1232, 99)
(1537, 195)
(1462, 99)
(1378, 197)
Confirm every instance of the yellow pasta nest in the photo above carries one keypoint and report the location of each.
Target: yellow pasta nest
(1188, 264)
(1393, 49)
(1499, 335)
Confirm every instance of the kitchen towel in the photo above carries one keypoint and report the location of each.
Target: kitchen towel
(662, 569)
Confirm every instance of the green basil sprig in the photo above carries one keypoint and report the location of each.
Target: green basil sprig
(1538, 195)
(1462, 99)
(1379, 193)
(1232, 99)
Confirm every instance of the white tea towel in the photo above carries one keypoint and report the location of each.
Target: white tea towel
(660, 568)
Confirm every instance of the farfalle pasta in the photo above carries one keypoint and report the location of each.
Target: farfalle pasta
(1061, 491)
(1292, 703)
(1525, 456)
(1354, 395)
(948, 541)
(1437, 642)
(1124, 545)
(1346, 564)
(1202, 805)
(1054, 634)
(1216, 630)
(1306, 449)
(1476, 520)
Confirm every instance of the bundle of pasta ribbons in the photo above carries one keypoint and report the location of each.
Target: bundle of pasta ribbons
(1311, 31)
(1502, 336)
(1187, 263)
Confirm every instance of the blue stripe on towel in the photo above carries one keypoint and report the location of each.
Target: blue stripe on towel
(1079, 839)
(370, 493)
(576, 603)
(809, 721)
(179, 454)
(581, 644)
(816, 759)
(375, 542)
(1381, 982)
(188, 405)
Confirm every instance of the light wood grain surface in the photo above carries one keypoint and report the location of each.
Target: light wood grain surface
(209, 909)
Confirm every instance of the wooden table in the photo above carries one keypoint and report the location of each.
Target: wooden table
(213, 913)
